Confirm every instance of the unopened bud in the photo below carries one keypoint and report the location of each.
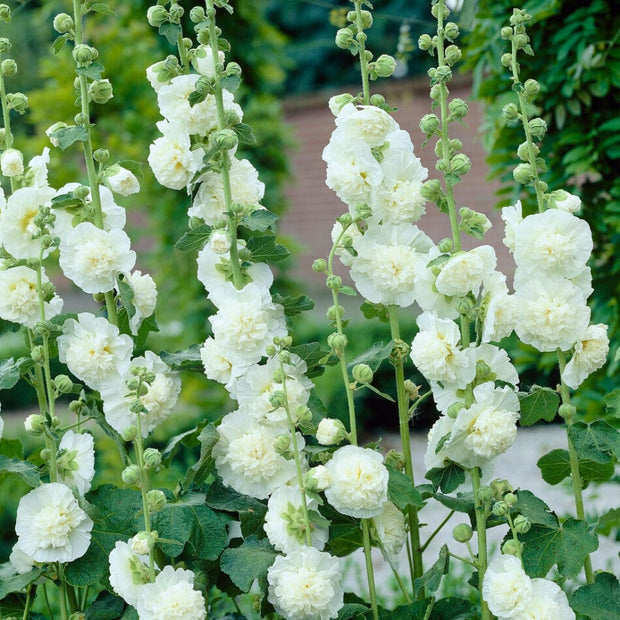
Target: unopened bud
(500, 488)
(482, 370)
(446, 245)
(512, 547)
(337, 102)
(277, 399)
(431, 190)
(63, 23)
(337, 342)
(197, 14)
(510, 112)
(567, 411)
(155, 500)
(344, 38)
(152, 458)
(63, 384)
(317, 479)
(524, 150)
(362, 373)
(462, 533)
(129, 433)
(460, 164)
(100, 91)
(157, 15)
(131, 476)
(333, 312)
(452, 55)
(458, 108)
(144, 542)
(506, 32)
(538, 128)
(224, 139)
(412, 390)
(531, 88)
(522, 524)
(331, 431)
(501, 508)
(506, 59)
(176, 12)
(282, 445)
(385, 65)
(485, 494)
(5, 45)
(9, 67)
(17, 102)
(84, 54)
(521, 40)
(45, 454)
(523, 174)
(334, 282)
(510, 498)
(453, 409)
(34, 424)
(377, 100)
(429, 124)
(5, 13)
(451, 31)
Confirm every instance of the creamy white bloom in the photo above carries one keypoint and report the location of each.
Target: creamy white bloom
(548, 602)
(17, 225)
(391, 530)
(330, 431)
(306, 585)
(320, 477)
(554, 243)
(552, 314)
(284, 519)
(384, 268)
(246, 459)
(209, 203)
(91, 257)
(153, 73)
(19, 299)
(12, 163)
(50, 525)
(512, 217)
(364, 122)
(565, 201)
(505, 587)
(76, 460)
(202, 60)
(359, 481)
(21, 562)
(435, 352)
(172, 159)
(159, 400)
(144, 297)
(94, 350)
(435, 456)
(464, 272)
(124, 182)
(219, 241)
(590, 353)
(37, 168)
(216, 364)
(128, 571)
(498, 309)
(172, 595)
(427, 295)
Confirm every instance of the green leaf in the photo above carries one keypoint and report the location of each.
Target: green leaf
(23, 469)
(345, 533)
(68, 135)
(294, 305)
(17, 583)
(463, 502)
(539, 404)
(125, 293)
(194, 239)
(196, 97)
(612, 401)
(567, 546)
(260, 220)
(349, 611)
(106, 606)
(59, 43)
(114, 515)
(431, 580)
(172, 32)
(245, 133)
(535, 509)
(401, 491)
(93, 71)
(347, 290)
(205, 465)
(451, 608)
(598, 441)
(12, 448)
(412, 611)
(133, 166)
(66, 201)
(248, 562)
(12, 369)
(446, 478)
(371, 311)
(608, 522)
(192, 522)
(189, 359)
(101, 7)
(265, 249)
(555, 466)
(231, 83)
(312, 353)
(599, 600)
(374, 356)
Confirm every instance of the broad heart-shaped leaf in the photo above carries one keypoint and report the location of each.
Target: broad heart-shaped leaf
(453, 609)
(171, 32)
(23, 469)
(599, 600)
(349, 611)
(106, 606)
(374, 356)
(126, 295)
(248, 562)
(598, 441)
(192, 522)
(194, 239)
(115, 518)
(555, 466)
(539, 404)
(446, 478)
(566, 545)
(294, 305)
(463, 502)
(535, 509)
(312, 354)
(401, 491)
(189, 359)
(68, 135)
(260, 220)
(412, 611)
(345, 533)
(18, 582)
(12, 369)
(93, 71)
(371, 311)
(612, 400)
(265, 249)
(431, 580)
(12, 448)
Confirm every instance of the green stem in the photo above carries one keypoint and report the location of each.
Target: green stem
(437, 530)
(481, 529)
(6, 115)
(28, 602)
(47, 602)
(369, 568)
(461, 559)
(405, 438)
(62, 597)
(361, 41)
(399, 581)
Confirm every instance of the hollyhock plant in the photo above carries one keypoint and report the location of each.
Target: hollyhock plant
(76, 460)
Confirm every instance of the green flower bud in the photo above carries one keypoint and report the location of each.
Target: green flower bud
(462, 533)
(337, 102)
(453, 410)
(63, 384)
(197, 14)
(538, 128)
(233, 69)
(522, 524)
(460, 164)
(473, 223)
(17, 102)
(531, 88)
(442, 74)
(425, 42)
(84, 54)
(100, 91)
(101, 155)
(512, 547)
(9, 67)
(429, 124)
(334, 282)
(499, 487)
(63, 23)
(5, 13)
(333, 312)
(5, 45)
(385, 65)
(519, 17)
(319, 265)
(482, 370)
(567, 411)
(500, 508)
(445, 245)
(337, 342)
(131, 476)
(330, 432)
(224, 139)
(524, 174)
(524, 151)
(506, 59)
(506, 32)
(155, 500)
(458, 108)
(157, 15)
(435, 92)
(317, 479)
(445, 11)
(138, 571)
(34, 424)
(510, 498)
(303, 415)
(277, 399)
(344, 38)
(451, 31)
(431, 190)
(485, 494)
(282, 445)
(510, 112)
(362, 373)
(45, 454)
(452, 55)
(144, 542)
(520, 41)
(176, 12)
(152, 458)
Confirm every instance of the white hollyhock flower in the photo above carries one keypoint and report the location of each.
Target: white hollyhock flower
(159, 399)
(391, 530)
(359, 482)
(76, 460)
(435, 456)
(548, 602)
(171, 158)
(590, 353)
(435, 352)
(464, 272)
(19, 299)
(17, 225)
(505, 587)
(91, 257)
(554, 243)
(365, 122)
(128, 571)
(12, 163)
(561, 199)
(498, 308)
(247, 324)
(50, 525)
(209, 203)
(94, 350)
(246, 459)
(123, 182)
(144, 297)
(21, 562)
(202, 60)
(152, 75)
(37, 168)
(172, 595)
(552, 314)
(384, 268)
(330, 431)
(426, 294)
(512, 217)
(217, 365)
(284, 518)
(306, 585)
